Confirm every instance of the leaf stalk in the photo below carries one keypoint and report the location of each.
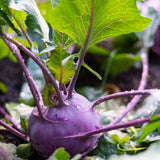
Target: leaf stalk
(121, 94)
(82, 56)
(143, 82)
(112, 127)
(41, 65)
(12, 130)
(35, 92)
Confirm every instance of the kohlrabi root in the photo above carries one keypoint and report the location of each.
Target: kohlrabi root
(73, 119)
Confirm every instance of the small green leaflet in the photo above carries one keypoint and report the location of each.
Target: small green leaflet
(150, 127)
(92, 71)
(60, 154)
(110, 18)
(34, 19)
(63, 74)
(84, 65)
(151, 153)
(48, 95)
(3, 87)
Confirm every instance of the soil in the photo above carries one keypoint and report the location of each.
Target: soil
(11, 75)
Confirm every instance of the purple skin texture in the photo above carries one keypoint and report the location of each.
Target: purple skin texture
(75, 118)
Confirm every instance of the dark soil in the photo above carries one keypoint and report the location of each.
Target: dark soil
(11, 75)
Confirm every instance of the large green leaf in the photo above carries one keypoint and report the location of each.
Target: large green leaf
(150, 127)
(34, 19)
(62, 73)
(110, 18)
(46, 10)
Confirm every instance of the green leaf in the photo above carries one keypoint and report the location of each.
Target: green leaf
(3, 87)
(70, 56)
(24, 123)
(24, 150)
(20, 17)
(5, 51)
(46, 10)
(66, 40)
(6, 20)
(63, 74)
(150, 127)
(48, 95)
(126, 43)
(4, 5)
(98, 50)
(59, 154)
(92, 71)
(104, 149)
(151, 153)
(121, 62)
(115, 138)
(110, 18)
(34, 19)
(125, 139)
(48, 49)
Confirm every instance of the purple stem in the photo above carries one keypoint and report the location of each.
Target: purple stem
(83, 53)
(35, 92)
(143, 81)
(71, 48)
(121, 94)
(12, 130)
(41, 65)
(112, 127)
(10, 119)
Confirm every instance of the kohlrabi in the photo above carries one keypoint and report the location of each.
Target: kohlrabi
(68, 120)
